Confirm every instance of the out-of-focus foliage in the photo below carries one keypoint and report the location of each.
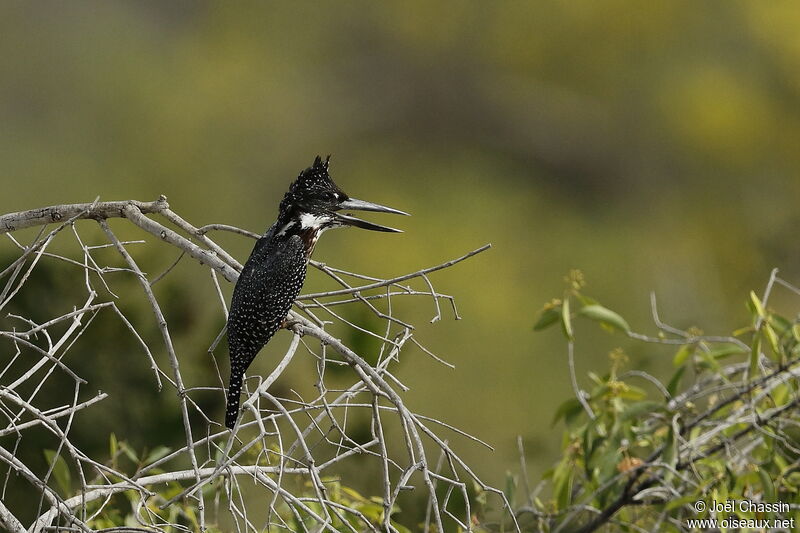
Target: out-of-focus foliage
(722, 428)
(123, 511)
(654, 145)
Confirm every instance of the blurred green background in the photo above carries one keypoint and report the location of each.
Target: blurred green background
(652, 145)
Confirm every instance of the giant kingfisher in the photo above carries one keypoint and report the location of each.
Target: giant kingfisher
(274, 274)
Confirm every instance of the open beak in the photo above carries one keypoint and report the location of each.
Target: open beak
(361, 205)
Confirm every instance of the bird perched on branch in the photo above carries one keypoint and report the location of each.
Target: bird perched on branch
(274, 274)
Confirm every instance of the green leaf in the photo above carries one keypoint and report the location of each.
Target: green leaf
(683, 354)
(597, 379)
(792, 480)
(726, 350)
(780, 394)
(353, 494)
(606, 316)
(755, 352)
(562, 484)
(511, 487)
(767, 485)
(401, 528)
(588, 449)
(547, 317)
(372, 511)
(631, 392)
(668, 455)
(189, 513)
(566, 320)
(568, 410)
(157, 453)
(782, 325)
(680, 502)
(60, 471)
(128, 451)
(607, 464)
(755, 305)
(707, 361)
(586, 300)
(672, 386)
(772, 338)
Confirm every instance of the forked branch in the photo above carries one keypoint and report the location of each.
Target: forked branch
(277, 441)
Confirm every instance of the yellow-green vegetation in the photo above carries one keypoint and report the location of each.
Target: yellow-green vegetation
(127, 508)
(640, 453)
(652, 144)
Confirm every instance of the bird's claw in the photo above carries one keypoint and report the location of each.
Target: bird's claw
(294, 326)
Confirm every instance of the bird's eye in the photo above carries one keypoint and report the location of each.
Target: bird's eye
(330, 195)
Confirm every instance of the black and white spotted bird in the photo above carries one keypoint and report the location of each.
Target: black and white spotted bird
(274, 274)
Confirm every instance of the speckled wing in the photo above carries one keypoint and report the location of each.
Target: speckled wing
(268, 285)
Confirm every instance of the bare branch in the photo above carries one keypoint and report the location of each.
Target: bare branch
(60, 213)
(275, 439)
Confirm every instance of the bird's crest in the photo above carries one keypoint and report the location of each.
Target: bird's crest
(314, 177)
(312, 180)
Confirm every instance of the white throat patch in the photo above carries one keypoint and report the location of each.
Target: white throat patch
(308, 220)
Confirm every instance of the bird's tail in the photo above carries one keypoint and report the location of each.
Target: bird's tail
(232, 411)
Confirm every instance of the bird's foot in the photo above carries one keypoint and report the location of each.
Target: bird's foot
(294, 326)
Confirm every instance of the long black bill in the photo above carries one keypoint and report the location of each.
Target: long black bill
(361, 205)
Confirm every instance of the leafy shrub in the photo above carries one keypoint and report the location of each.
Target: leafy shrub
(639, 452)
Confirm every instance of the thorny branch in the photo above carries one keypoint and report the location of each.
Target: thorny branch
(276, 439)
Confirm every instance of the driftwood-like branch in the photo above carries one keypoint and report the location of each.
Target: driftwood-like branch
(60, 213)
(295, 437)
